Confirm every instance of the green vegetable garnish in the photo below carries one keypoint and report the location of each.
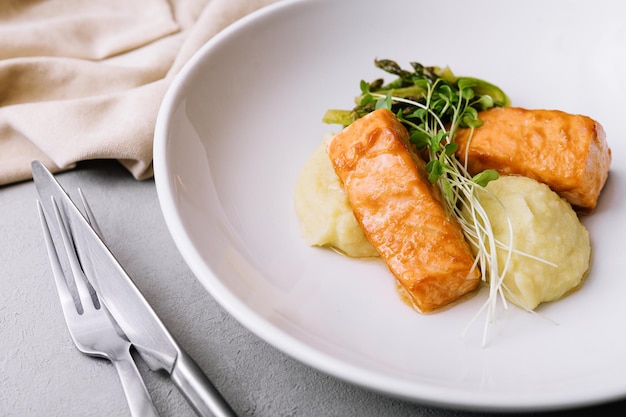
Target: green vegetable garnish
(433, 103)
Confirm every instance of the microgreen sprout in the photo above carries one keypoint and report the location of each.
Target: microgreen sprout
(430, 134)
(433, 104)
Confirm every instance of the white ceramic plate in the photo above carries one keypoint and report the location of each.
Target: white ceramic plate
(245, 113)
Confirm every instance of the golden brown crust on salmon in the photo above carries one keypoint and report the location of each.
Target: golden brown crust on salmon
(401, 213)
(567, 152)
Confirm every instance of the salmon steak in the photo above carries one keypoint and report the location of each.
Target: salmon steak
(567, 152)
(401, 212)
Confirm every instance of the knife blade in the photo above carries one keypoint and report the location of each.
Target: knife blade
(127, 305)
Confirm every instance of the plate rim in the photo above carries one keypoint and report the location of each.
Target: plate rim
(268, 331)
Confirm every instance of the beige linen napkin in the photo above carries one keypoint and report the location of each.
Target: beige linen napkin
(84, 79)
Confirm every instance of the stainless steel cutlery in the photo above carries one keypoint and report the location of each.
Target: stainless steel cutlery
(78, 252)
(91, 327)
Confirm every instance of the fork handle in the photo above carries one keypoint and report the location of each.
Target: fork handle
(137, 395)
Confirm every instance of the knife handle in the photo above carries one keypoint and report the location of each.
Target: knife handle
(204, 398)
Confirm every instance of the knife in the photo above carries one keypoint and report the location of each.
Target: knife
(127, 305)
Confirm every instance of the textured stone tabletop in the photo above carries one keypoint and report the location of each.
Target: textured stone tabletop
(43, 374)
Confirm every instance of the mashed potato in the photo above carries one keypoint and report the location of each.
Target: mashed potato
(326, 218)
(545, 226)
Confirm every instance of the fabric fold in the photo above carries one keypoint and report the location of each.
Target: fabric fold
(85, 80)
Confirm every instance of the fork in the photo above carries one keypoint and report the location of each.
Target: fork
(93, 330)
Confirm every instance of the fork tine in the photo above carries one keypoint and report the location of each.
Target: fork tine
(86, 294)
(94, 225)
(67, 302)
(90, 217)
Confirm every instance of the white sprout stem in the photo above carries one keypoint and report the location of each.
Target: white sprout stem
(414, 103)
(476, 226)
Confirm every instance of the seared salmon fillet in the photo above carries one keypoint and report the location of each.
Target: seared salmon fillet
(401, 213)
(567, 152)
